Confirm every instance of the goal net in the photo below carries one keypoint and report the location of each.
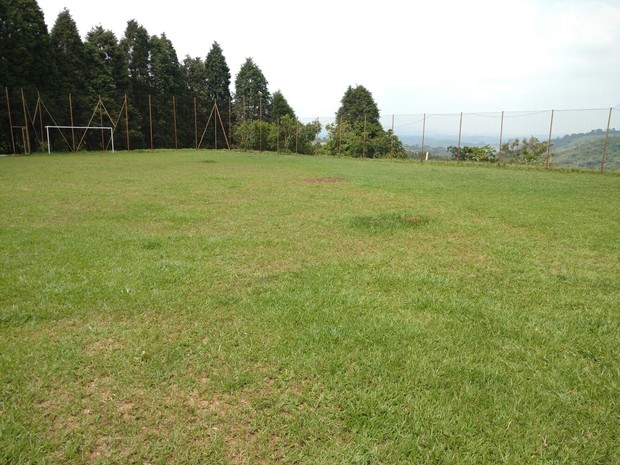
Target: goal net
(74, 144)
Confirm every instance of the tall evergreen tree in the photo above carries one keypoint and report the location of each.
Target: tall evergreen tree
(26, 58)
(280, 107)
(69, 53)
(136, 46)
(218, 75)
(357, 131)
(73, 66)
(167, 82)
(166, 76)
(108, 49)
(252, 98)
(195, 78)
(218, 91)
(357, 106)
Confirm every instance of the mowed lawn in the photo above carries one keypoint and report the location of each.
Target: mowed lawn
(234, 308)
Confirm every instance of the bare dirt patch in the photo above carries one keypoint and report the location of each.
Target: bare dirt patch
(324, 180)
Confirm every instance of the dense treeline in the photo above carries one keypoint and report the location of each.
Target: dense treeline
(137, 84)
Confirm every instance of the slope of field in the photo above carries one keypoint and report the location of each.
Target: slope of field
(228, 308)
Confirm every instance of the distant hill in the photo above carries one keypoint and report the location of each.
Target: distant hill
(586, 150)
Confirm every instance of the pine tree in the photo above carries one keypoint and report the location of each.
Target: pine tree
(280, 107)
(105, 43)
(167, 85)
(26, 58)
(218, 76)
(357, 106)
(252, 98)
(136, 46)
(195, 78)
(218, 91)
(71, 59)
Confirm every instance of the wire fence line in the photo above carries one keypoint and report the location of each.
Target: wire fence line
(579, 138)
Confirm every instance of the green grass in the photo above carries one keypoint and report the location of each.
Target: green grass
(228, 308)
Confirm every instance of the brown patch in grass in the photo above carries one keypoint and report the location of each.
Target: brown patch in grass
(324, 180)
(413, 219)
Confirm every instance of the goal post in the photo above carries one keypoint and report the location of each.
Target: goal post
(85, 128)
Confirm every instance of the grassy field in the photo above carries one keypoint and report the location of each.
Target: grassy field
(228, 308)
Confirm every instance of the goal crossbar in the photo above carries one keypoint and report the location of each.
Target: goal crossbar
(49, 144)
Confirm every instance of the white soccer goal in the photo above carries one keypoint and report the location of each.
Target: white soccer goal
(49, 144)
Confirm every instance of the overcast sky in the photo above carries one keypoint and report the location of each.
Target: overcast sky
(414, 56)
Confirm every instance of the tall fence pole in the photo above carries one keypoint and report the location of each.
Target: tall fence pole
(40, 108)
(340, 135)
(423, 136)
(101, 124)
(25, 131)
(364, 151)
(127, 121)
(392, 139)
(501, 134)
(151, 120)
(458, 153)
(215, 125)
(8, 108)
(72, 123)
(174, 116)
(195, 125)
(606, 141)
(549, 141)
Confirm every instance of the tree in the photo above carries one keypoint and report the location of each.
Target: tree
(357, 131)
(529, 151)
(466, 153)
(280, 107)
(195, 78)
(70, 54)
(252, 97)
(357, 106)
(114, 60)
(136, 46)
(165, 70)
(26, 58)
(218, 91)
(76, 68)
(218, 76)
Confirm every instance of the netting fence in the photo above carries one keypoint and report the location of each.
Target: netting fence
(584, 138)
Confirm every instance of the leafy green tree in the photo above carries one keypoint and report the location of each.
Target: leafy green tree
(165, 70)
(530, 151)
(70, 54)
(108, 49)
(357, 131)
(484, 153)
(357, 106)
(280, 107)
(136, 46)
(167, 84)
(26, 58)
(195, 78)
(78, 70)
(218, 76)
(218, 91)
(252, 98)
